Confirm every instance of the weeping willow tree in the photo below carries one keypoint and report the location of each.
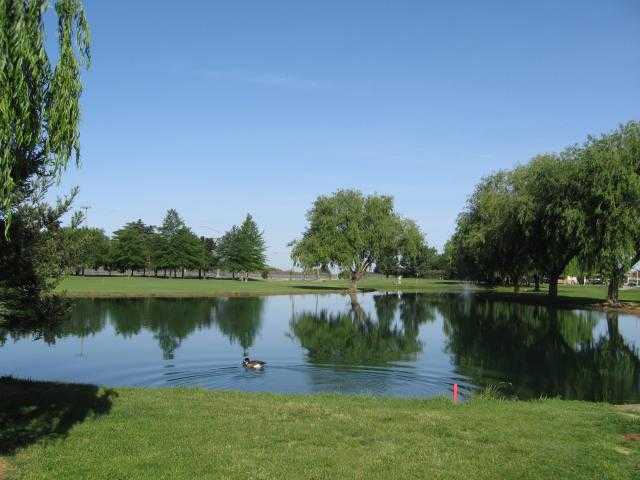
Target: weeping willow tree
(39, 134)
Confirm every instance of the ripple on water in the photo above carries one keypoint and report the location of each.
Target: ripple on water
(302, 377)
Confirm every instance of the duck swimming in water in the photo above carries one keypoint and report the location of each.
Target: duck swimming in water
(253, 364)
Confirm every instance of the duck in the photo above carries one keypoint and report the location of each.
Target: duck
(253, 364)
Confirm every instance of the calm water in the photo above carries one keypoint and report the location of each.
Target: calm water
(408, 344)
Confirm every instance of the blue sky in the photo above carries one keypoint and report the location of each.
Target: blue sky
(222, 108)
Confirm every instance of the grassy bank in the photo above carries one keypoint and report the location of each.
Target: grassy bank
(170, 287)
(72, 432)
(587, 295)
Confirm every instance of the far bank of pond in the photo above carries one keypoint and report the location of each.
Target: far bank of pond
(579, 296)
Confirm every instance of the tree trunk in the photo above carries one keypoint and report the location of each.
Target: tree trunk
(182, 272)
(200, 273)
(536, 282)
(580, 279)
(355, 276)
(614, 288)
(553, 286)
(132, 272)
(144, 272)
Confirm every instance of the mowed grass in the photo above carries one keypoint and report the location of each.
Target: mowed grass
(169, 287)
(595, 293)
(161, 287)
(76, 432)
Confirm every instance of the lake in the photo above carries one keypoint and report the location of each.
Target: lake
(415, 345)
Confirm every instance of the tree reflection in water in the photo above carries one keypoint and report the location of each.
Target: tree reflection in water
(528, 350)
(170, 320)
(240, 319)
(357, 337)
(540, 350)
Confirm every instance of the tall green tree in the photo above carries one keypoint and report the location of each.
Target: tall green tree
(130, 246)
(39, 132)
(494, 230)
(189, 249)
(211, 254)
(84, 247)
(610, 173)
(229, 251)
(558, 230)
(402, 256)
(251, 246)
(169, 231)
(242, 249)
(350, 231)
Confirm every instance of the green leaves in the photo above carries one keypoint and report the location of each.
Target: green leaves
(242, 249)
(39, 107)
(579, 204)
(352, 231)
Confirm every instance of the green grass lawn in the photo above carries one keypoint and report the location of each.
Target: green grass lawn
(58, 431)
(168, 287)
(161, 287)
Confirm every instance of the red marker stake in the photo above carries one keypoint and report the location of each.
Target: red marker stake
(455, 393)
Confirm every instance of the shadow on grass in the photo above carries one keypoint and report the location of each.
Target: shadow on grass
(32, 411)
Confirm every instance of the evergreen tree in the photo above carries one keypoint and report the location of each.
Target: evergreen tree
(189, 249)
(171, 257)
(229, 251)
(211, 256)
(250, 247)
(130, 246)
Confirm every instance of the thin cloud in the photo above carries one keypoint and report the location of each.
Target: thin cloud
(274, 80)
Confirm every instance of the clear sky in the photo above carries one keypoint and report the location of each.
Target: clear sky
(222, 108)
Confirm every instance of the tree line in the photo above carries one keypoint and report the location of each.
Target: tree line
(575, 209)
(171, 248)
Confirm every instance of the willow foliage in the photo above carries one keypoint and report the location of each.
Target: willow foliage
(39, 102)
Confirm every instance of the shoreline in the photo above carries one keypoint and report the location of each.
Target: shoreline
(149, 287)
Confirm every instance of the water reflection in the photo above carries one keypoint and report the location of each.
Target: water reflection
(357, 337)
(532, 351)
(240, 319)
(170, 320)
(405, 344)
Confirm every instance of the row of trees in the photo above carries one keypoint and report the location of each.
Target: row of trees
(171, 247)
(578, 207)
(356, 233)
